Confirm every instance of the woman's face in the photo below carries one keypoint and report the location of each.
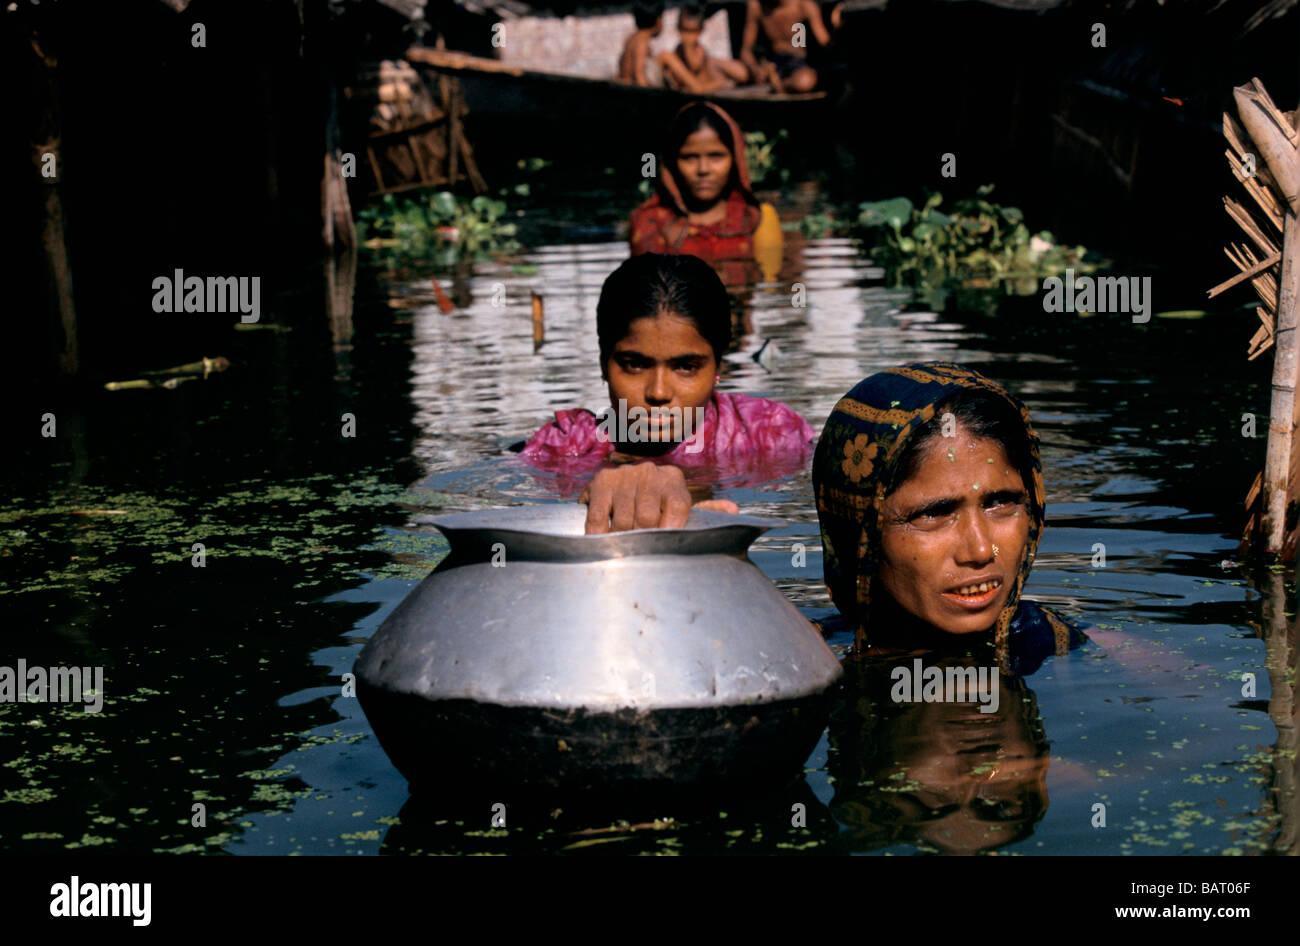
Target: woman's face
(704, 165)
(662, 362)
(954, 534)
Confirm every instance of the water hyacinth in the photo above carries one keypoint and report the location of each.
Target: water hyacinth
(978, 245)
(438, 221)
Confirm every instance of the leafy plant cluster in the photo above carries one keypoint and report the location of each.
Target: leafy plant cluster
(760, 155)
(438, 221)
(976, 244)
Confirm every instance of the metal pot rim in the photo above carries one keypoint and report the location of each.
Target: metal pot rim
(554, 532)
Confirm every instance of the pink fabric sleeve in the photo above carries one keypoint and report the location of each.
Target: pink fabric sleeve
(573, 433)
(757, 425)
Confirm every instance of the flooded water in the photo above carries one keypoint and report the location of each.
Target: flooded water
(223, 683)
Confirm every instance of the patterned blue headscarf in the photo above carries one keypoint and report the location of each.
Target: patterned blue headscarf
(857, 464)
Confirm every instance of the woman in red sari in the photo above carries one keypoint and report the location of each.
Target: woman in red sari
(703, 203)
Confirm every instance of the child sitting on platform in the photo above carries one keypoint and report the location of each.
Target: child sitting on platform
(649, 17)
(786, 68)
(690, 68)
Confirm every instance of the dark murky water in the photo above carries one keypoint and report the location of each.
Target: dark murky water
(222, 684)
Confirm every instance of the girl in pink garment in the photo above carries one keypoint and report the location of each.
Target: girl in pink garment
(664, 323)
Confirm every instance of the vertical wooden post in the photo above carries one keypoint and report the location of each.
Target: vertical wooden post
(1282, 466)
(53, 240)
(337, 225)
(1283, 495)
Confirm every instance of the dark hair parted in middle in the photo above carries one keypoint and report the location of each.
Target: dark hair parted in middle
(689, 120)
(982, 414)
(646, 285)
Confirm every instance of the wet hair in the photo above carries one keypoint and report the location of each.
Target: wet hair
(651, 283)
(646, 12)
(982, 414)
(691, 119)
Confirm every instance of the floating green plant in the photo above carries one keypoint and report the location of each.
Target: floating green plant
(760, 155)
(979, 244)
(437, 221)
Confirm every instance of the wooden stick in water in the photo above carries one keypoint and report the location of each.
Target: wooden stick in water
(204, 366)
(444, 304)
(539, 326)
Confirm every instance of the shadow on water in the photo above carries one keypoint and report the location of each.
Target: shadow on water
(224, 684)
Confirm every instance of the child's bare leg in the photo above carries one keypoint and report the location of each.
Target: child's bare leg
(803, 80)
(712, 83)
(733, 70)
(675, 69)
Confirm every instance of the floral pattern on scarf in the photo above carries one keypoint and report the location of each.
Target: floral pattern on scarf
(856, 465)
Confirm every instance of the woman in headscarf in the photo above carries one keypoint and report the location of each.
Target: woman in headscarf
(930, 498)
(703, 203)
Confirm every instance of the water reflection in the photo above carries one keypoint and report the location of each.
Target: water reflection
(944, 775)
(1150, 725)
(1281, 631)
(477, 381)
(305, 541)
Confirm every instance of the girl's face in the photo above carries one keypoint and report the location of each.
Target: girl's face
(662, 362)
(689, 30)
(954, 534)
(704, 165)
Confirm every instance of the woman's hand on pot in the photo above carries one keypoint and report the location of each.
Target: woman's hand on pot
(641, 496)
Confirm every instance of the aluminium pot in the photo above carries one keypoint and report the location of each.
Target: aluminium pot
(652, 660)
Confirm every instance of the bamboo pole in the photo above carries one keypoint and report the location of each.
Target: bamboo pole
(1275, 187)
(1241, 215)
(1248, 271)
(1274, 137)
(1280, 488)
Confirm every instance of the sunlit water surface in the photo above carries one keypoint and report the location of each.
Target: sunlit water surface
(223, 683)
